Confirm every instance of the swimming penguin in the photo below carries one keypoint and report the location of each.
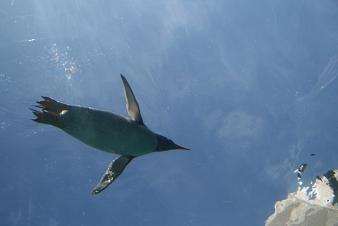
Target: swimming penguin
(106, 131)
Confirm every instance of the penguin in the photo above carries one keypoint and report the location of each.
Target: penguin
(300, 170)
(127, 137)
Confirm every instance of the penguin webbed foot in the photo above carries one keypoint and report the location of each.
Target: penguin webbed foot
(51, 105)
(115, 168)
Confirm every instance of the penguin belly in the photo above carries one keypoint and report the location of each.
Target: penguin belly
(108, 132)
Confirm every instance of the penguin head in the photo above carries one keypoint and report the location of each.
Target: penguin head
(165, 144)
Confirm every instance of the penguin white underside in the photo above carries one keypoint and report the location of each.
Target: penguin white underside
(106, 131)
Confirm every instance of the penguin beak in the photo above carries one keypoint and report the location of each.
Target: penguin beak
(180, 147)
(165, 144)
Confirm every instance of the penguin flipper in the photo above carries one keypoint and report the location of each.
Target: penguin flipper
(115, 168)
(132, 105)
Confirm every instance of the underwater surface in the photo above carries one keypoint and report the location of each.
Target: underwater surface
(249, 86)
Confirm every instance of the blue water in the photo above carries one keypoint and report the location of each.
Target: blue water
(249, 86)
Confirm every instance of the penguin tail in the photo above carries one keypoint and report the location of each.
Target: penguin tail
(50, 112)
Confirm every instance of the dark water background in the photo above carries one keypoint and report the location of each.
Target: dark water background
(250, 86)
